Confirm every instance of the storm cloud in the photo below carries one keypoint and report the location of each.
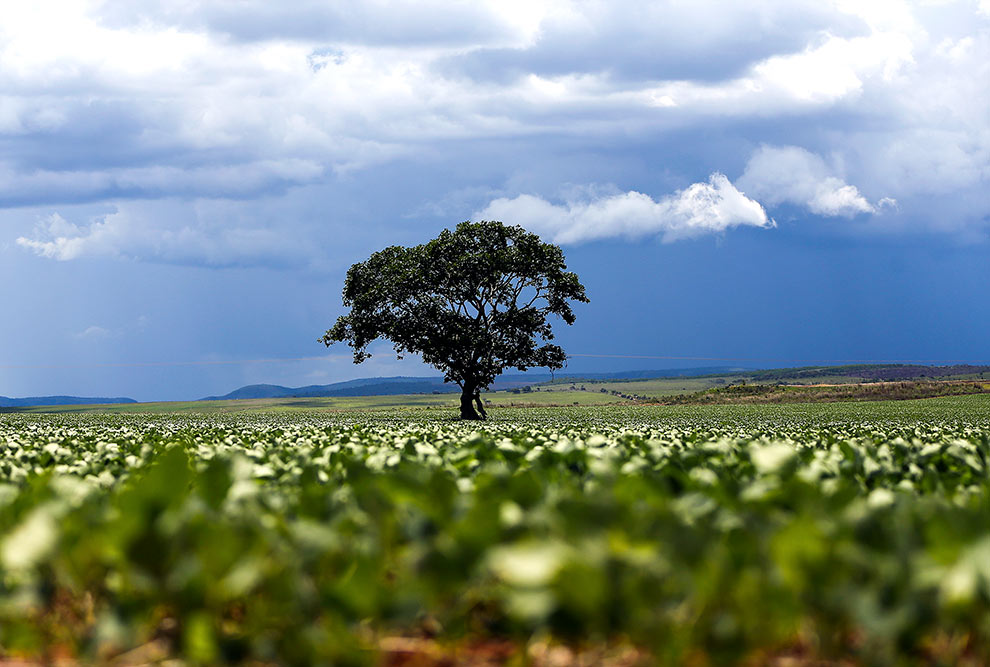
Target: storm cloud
(192, 100)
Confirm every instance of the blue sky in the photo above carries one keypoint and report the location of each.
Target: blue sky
(184, 184)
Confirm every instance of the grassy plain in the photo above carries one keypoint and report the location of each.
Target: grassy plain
(575, 391)
(709, 390)
(655, 387)
(349, 403)
(439, 402)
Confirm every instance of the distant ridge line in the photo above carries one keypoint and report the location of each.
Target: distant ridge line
(388, 386)
(33, 401)
(782, 360)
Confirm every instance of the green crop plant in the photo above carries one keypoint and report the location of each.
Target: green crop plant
(707, 534)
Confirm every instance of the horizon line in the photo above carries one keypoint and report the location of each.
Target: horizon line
(273, 360)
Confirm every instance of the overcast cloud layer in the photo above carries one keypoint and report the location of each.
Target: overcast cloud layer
(191, 102)
(215, 136)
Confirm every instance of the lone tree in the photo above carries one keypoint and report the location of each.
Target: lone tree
(473, 302)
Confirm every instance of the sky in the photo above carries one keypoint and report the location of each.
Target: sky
(184, 184)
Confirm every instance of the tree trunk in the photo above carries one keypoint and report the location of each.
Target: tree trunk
(480, 404)
(467, 402)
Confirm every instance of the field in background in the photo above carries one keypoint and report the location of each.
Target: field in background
(439, 402)
(809, 384)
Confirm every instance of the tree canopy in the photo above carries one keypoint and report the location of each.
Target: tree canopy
(472, 302)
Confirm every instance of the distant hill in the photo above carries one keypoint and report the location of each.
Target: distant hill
(856, 372)
(390, 386)
(386, 386)
(875, 372)
(643, 375)
(31, 401)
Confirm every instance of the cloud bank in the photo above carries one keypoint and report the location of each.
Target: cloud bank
(793, 175)
(109, 105)
(178, 234)
(702, 208)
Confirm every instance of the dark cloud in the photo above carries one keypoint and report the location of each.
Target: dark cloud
(704, 41)
(97, 131)
(245, 102)
(347, 22)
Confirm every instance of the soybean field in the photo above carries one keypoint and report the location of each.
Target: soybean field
(703, 535)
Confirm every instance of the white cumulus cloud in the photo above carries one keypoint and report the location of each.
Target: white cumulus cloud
(793, 175)
(183, 233)
(93, 332)
(702, 208)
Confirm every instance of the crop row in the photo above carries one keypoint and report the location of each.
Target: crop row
(707, 536)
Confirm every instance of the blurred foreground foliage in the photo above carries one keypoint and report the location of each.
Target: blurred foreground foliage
(696, 535)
